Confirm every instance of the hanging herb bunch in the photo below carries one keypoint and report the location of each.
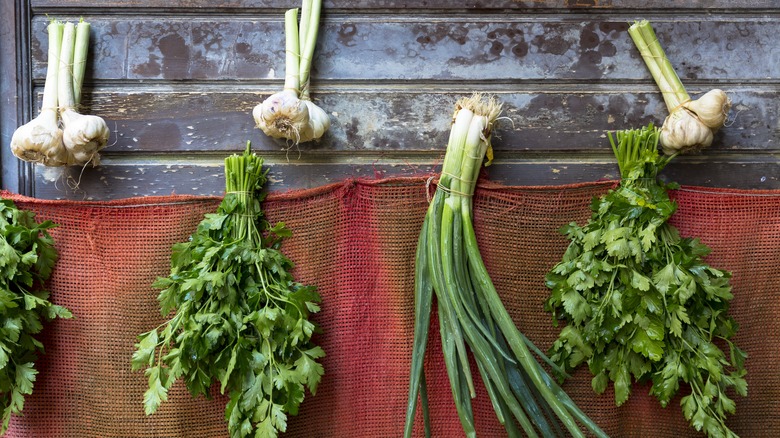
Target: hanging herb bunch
(27, 257)
(240, 317)
(639, 300)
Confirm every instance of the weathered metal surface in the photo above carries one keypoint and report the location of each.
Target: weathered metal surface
(176, 81)
(15, 96)
(416, 4)
(398, 121)
(119, 180)
(405, 48)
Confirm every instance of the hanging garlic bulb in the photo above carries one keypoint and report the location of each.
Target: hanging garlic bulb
(40, 140)
(290, 114)
(283, 115)
(691, 124)
(83, 135)
(712, 108)
(682, 131)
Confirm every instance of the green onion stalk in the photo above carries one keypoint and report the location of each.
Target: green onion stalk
(472, 318)
(691, 124)
(290, 114)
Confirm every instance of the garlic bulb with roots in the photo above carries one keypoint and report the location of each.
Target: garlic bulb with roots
(284, 115)
(40, 140)
(712, 108)
(83, 135)
(290, 114)
(691, 124)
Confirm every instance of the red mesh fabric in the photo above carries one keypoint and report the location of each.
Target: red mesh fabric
(356, 242)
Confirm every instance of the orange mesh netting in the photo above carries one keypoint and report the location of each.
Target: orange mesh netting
(356, 242)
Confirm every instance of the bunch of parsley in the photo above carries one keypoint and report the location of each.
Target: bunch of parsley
(27, 257)
(240, 317)
(639, 300)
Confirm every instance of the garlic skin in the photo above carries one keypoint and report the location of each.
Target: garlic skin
(84, 135)
(711, 108)
(284, 115)
(683, 132)
(39, 140)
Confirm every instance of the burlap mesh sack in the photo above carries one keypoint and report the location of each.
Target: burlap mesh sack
(356, 242)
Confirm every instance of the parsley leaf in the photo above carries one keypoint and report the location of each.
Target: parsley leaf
(27, 258)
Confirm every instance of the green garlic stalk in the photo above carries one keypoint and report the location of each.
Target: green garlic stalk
(290, 113)
(83, 135)
(691, 124)
(40, 140)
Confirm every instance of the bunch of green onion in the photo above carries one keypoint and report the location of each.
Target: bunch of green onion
(470, 310)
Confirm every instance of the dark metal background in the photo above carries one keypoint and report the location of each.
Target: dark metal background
(176, 81)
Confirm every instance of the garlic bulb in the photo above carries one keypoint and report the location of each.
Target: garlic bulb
(83, 136)
(290, 114)
(282, 115)
(319, 122)
(38, 140)
(683, 132)
(712, 108)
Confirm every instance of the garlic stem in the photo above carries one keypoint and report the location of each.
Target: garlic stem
(650, 62)
(676, 89)
(50, 92)
(660, 68)
(292, 53)
(80, 59)
(312, 24)
(65, 79)
(303, 28)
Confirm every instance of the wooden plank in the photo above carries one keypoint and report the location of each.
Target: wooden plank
(119, 180)
(414, 5)
(397, 120)
(416, 48)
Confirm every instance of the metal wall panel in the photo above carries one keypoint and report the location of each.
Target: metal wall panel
(176, 81)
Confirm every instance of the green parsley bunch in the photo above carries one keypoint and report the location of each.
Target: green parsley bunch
(640, 301)
(27, 257)
(240, 317)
